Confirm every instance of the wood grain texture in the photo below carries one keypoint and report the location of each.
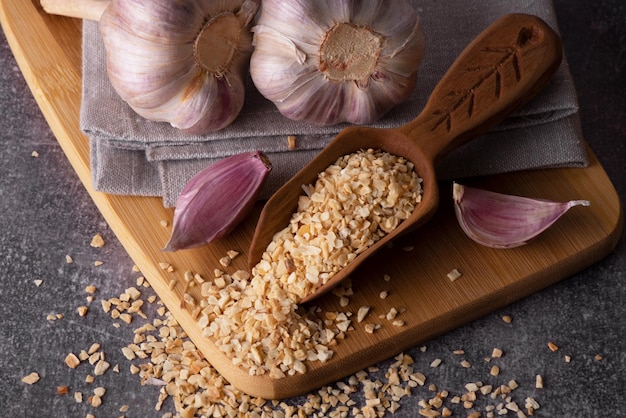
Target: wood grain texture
(47, 49)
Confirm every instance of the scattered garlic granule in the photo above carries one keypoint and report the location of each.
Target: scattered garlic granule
(539, 382)
(553, 347)
(97, 241)
(496, 353)
(291, 142)
(362, 313)
(454, 275)
(72, 361)
(31, 378)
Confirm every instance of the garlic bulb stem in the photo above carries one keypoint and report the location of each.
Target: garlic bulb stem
(82, 9)
(349, 53)
(216, 45)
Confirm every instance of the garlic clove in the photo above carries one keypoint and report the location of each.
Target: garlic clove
(328, 62)
(213, 105)
(504, 221)
(217, 199)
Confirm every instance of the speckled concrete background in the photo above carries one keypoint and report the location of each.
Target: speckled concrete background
(45, 214)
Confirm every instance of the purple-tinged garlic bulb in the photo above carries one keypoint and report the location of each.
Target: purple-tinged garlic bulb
(181, 61)
(329, 62)
(176, 61)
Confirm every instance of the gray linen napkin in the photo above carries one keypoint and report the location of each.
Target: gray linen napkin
(130, 155)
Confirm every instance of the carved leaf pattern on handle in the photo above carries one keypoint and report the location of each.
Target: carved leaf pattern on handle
(506, 55)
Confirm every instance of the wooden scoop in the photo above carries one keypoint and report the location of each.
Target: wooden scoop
(502, 69)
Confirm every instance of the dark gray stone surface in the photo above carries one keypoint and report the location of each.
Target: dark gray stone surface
(45, 214)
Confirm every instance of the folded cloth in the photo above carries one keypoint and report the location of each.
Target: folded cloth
(134, 156)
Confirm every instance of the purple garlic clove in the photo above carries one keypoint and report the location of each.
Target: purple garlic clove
(217, 199)
(503, 221)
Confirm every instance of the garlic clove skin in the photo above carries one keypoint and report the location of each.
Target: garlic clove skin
(217, 199)
(328, 62)
(504, 221)
(180, 62)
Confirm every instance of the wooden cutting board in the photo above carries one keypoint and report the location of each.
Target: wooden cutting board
(48, 51)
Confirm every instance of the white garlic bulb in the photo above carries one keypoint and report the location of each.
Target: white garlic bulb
(182, 61)
(332, 61)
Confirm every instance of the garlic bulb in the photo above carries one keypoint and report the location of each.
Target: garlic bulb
(503, 221)
(333, 61)
(217, 199)
(182, 62)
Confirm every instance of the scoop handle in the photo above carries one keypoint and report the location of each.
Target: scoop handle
(500, 70)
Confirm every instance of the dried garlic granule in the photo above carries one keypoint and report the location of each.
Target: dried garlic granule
(291, 142)
(72, 361)
(454, 275)
(553, 347)
(97, 241)
(31, 378)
